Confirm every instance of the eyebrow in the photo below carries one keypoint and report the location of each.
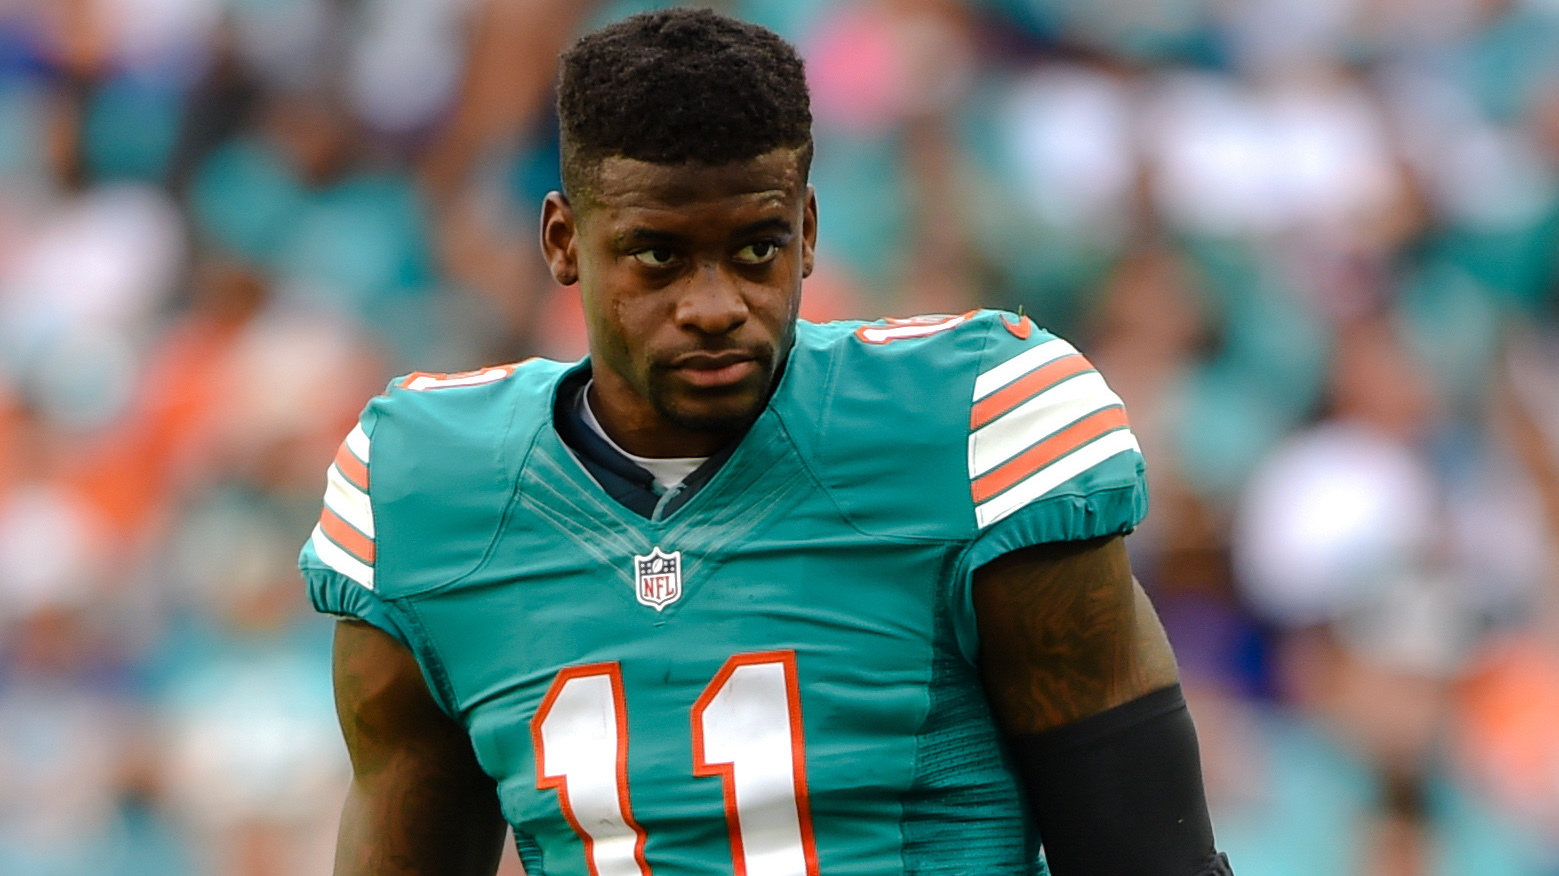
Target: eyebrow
(774, 224)
(647, 237)
(654, 237)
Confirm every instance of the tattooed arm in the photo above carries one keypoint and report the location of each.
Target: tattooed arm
(419, 803)
(1082, 682)
(1066, 632)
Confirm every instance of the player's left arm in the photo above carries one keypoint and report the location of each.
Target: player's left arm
(1083, 683)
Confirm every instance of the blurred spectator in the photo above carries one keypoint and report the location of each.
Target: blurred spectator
(254, 768)
(1383, 573)
(1350, 777)
(1510, 730)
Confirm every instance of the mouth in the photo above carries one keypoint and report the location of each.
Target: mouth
(715, 370)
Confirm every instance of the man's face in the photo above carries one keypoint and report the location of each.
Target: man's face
(691, 278)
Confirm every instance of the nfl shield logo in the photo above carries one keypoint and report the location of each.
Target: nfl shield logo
(658, 578)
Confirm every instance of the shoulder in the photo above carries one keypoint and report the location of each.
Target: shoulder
(904, 342)
(432, 428)
(419, 484)
(978, 415)
(960, 371)
(466, 406)
(944, 351)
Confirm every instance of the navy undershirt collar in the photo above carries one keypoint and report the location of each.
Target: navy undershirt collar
(628, 483)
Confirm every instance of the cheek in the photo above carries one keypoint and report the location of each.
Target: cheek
(777, 294)
(636, 321)
(605, 315)
(778, 306)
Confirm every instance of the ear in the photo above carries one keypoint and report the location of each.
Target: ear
(809, 233)
(560, 239)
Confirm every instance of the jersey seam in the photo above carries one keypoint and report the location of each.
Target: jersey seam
(844, 515)
(512, 499)
(443, 687)
(817, 480)
(974, 541)
(511, 489)
(979, 368)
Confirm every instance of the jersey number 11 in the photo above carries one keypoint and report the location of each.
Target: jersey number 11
(746, 730)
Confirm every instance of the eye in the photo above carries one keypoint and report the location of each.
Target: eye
(757, 253)
(655, 257)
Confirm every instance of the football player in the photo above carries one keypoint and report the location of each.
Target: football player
(741, 593)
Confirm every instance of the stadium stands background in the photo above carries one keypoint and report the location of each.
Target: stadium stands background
(1314, 244)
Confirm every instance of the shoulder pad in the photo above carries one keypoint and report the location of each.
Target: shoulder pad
(418, 490)
(944, 426)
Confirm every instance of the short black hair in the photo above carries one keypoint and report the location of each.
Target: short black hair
(680, 86)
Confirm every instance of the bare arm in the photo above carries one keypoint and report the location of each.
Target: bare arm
(419, 803)
(1066, 632)
(1082, 681)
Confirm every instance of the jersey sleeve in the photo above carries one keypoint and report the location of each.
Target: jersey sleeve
(1051, 454)
(338, 560)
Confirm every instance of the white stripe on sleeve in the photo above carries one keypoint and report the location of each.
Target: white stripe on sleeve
(340, 560)
(1054, 475)
(1019, 365)
(349, 503)
(357, 442)
(1044, 414)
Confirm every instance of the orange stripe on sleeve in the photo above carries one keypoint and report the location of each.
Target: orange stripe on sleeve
(1048, 451)
(352, 468)
(1026, 387)
(348, 538)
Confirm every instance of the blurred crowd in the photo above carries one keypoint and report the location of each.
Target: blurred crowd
(1314, 244)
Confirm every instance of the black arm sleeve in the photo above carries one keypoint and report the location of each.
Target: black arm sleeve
(1120, 793)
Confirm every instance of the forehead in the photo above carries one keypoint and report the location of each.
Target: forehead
(627, 185)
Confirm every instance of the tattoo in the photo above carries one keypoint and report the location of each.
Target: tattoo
(1066, 632)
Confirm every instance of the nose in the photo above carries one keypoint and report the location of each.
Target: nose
(712, 302)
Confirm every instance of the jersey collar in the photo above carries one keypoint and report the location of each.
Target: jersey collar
(624, 480)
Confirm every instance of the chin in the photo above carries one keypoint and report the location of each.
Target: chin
(731, 414)
(724, 410)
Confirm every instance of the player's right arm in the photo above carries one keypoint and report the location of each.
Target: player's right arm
(419, 803)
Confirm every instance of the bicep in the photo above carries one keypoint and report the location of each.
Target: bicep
(1066, 632)
(419, 802)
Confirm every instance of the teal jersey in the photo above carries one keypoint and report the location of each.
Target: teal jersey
(780, 675)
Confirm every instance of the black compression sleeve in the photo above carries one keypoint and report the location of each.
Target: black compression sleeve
(1120, 793)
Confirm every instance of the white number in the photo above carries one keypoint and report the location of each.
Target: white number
(913, 327)
(423, 380)
(581, 737)
(746, 730)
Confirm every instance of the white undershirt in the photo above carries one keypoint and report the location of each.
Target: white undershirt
(668, 472)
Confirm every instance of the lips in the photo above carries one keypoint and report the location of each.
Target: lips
(714, 370)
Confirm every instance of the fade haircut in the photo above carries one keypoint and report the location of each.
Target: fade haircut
(680, 86)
